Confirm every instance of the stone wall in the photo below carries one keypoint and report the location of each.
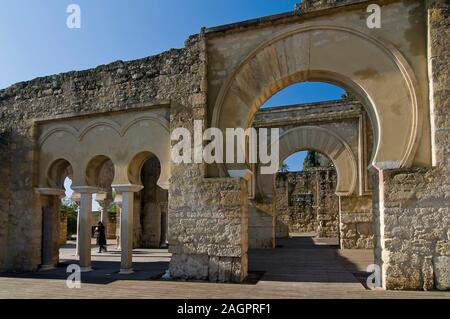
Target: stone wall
(356, 222)
(260, 226)
(175, 75)
(415, 228)
(314, 5)
(111, 231)
(4, 197)
(412, 215)
(305, 202)
(412, 205)
(209, 233)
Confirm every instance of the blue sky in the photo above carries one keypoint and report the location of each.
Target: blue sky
(35, 40)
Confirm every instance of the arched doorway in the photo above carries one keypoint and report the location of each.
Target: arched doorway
(305, 201)
(50, 203)
(151, 205)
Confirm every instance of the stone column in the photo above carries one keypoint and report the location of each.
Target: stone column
(50, 220)
(84, 237)
(118, 202)
(126, 225)
(76, 199)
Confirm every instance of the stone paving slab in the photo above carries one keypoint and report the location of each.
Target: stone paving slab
(303, 268)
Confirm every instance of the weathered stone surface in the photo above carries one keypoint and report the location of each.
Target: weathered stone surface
(314, 5)
(221, 236)
(356, 222)
(305, 202)
(4, 199)
(415, 225)
(442, 272)
(260, 227)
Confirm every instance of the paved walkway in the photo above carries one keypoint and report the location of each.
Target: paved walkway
(300, 268)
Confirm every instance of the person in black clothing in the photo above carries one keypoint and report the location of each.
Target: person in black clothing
(101, 237)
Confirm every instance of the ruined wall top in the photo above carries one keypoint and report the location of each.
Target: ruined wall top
(314, 5)
(169, 76)
(299, 113)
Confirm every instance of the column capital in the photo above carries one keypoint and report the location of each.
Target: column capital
(85, 189)
(51, 191)
(122, 188)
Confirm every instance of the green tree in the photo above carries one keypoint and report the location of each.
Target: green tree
(311, 160)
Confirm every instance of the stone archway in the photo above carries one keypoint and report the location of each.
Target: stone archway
(323, 141)
(336, 149)
(376, 72)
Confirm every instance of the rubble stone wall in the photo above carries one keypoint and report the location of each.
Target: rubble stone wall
(305, 202)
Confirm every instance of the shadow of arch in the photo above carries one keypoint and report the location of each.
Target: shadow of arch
(323, 141)
(135, 167)
(57, 173)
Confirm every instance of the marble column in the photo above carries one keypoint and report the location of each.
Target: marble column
(118, 202)
(84, 237)
(49, 198)
(76, 199)
(126, 225)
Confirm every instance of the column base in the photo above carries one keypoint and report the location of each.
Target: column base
(46, 267)
(86, 269)
(126, 271)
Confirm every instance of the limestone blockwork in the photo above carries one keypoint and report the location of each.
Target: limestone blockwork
(306, 202)
(124, 112)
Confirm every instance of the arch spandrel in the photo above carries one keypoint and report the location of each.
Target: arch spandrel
(119, 138)
(375, 72)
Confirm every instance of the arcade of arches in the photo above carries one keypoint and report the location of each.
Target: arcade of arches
(109, 128)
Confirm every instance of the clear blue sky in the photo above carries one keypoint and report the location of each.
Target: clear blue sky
(35, 40)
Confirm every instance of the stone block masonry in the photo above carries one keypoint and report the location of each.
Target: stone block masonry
(305, 202)
(356, 222)
(414, 238)
(209, 233)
